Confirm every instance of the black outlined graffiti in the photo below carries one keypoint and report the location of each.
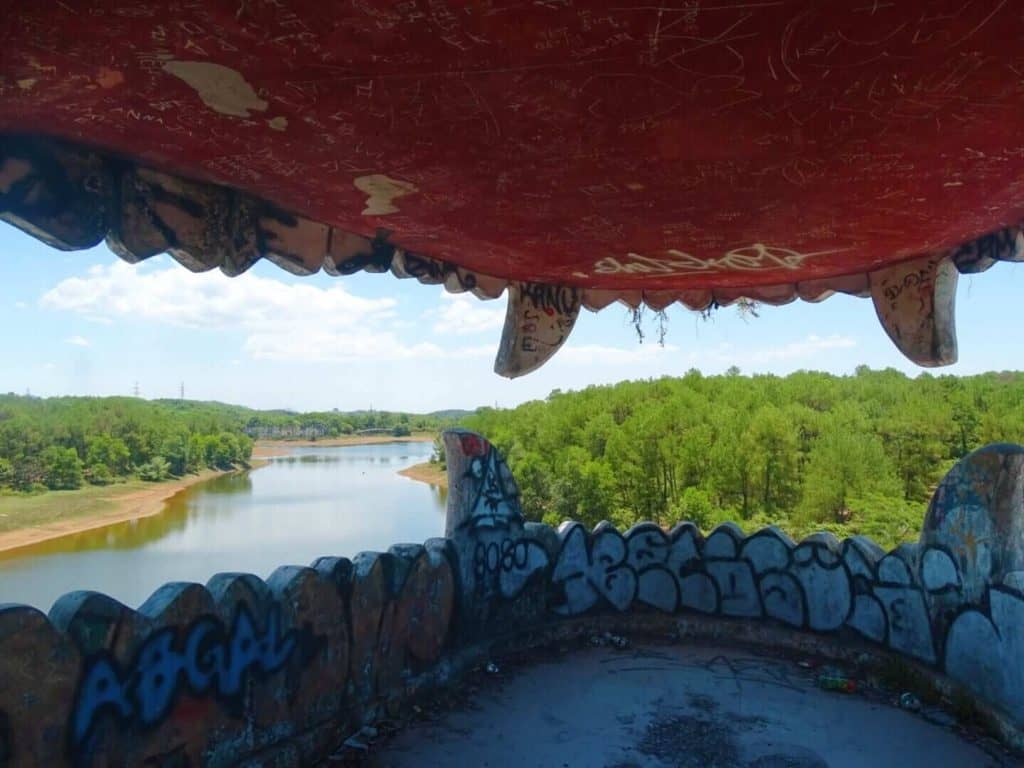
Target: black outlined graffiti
(433, 272)
(511, 561)
(819, 585)
(495, 500)
(591, 568)
(552, 299)
(498, 557)
(1006, 244)
(938, 601)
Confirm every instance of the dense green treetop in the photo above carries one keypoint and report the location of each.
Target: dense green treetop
(60, 443)
(809, 451)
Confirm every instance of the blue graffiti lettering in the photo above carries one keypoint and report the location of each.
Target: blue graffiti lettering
(209, 660)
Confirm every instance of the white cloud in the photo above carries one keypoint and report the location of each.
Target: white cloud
(282, 322)
(603, 355)
(482, 350)
(462, 314)
(209, 300)
(78, 341)
(328, 345)
(807, 348)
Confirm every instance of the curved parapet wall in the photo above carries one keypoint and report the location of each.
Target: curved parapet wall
(247, 672)
(239, 670)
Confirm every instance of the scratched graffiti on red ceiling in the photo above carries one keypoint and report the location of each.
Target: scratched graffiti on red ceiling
(630, 149)
(610, 144)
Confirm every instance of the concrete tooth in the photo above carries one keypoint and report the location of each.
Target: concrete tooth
(422, 268)
(596, 299)
(725, 297)
(296, 244)
(244, 250)
(538, 321)
(915, 302)
(345, 251)
(456, 281)
(631, 299)
(659, 300)
(348, 254)
(59, 194)
(819, 290)
(775, 295)
(488, 287)
(160, 212)
(454, 278)
(697, 300)
(1006, 244)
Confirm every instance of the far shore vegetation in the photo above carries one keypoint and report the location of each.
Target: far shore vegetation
(858, 454)
(73, 462)
(67, 443)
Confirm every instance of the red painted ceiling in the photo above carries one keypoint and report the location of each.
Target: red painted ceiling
(631, 142)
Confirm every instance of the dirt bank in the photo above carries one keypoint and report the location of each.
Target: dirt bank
(32, 519)
(266, 448)
(426, 473)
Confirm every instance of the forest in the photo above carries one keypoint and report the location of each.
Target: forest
(64, 443)
(328, 424)
(858, 454)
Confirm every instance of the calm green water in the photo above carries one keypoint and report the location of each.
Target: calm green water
(316, 501)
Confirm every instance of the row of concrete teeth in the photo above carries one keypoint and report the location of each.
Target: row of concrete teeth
(72, 198)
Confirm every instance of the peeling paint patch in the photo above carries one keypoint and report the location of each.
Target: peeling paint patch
(26, 84)
(382, 191)
(109, 78)
(278, 123)
(221, 88)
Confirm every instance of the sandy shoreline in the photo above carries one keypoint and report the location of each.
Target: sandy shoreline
(129, 506)
(426, 473)
(153, 500)
(264, 449)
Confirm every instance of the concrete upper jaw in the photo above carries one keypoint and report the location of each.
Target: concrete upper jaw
(72, 197)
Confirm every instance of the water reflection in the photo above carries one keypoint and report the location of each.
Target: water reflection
(317, 501)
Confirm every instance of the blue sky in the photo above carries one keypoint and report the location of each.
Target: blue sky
(86, 323)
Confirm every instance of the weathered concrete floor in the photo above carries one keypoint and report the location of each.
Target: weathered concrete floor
(678, 707)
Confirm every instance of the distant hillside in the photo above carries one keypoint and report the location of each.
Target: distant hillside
(326, 424)
(452, 414)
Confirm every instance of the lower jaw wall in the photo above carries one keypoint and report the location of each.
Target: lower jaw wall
(252, 672)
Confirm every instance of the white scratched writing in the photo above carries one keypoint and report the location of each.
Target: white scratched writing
(745, 259)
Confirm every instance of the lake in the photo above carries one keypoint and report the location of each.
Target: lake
(315, 501)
